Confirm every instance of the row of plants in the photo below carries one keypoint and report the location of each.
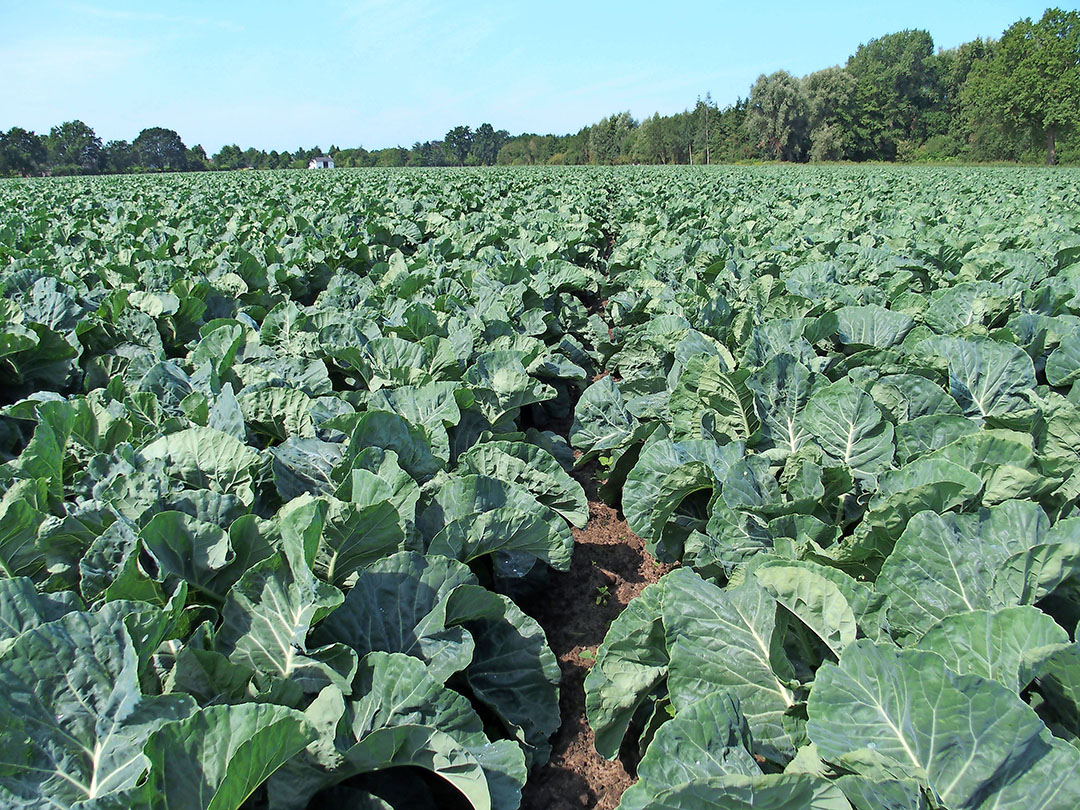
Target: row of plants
(849, 408)
(281, 456)
(271, 474)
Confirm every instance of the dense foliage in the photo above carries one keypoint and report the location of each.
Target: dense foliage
(896, 99)
(230, 434)
(282, 453)
(846, 402)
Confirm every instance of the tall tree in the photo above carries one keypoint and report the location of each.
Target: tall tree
(829, 95)
(256, 158)
(678, 136)
(74, 148)
(394, 156)
(118, 157)
(485, 145)
(705, 115)
(458, 142)
(649, 141)
(196, 159)
(229, 157)
(606, 140)
(21, 152)
(777, 114)
(732, 141)
(1032, 82)
(159, 149)
(946, 119)
(895, 85)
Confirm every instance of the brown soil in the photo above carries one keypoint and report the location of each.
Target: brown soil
(609, 568)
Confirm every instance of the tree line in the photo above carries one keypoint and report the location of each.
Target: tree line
(1016, 98)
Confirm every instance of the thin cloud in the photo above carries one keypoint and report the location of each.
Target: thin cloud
(44, 61)
(156, 17)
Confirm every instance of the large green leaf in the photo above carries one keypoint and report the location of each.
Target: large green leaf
(1058, 679)
(601, 420)
(666, 475)
(74, 718)
(44, 455)
(1063, 364)
(376, 477)
(434, 407)
(204, 458)
(781, 390)
(20, 518)
(278, 413)
(871, 326)
(391, 432)
(514, 672)
(475, 515)
(707, 398)
(867, 605)
(347, 537)
(707, 739)
(729, 640)
(398, 605)
(975, 744)
(193, 551)
(1003, 459)
(270, 611)
(502, 386)
(403, 717)
(816, 601)
(998, 645)
(23, 608)
(946, 564)
(848, 426)
(925, 484)
(772, 792)
(535, 470)
(986, 377)
(704, 640)
(907, 397)
(868, 793)
(249, 742)
(630, 662)
(430, 608)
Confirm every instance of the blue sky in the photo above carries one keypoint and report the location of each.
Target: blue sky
(382, 72)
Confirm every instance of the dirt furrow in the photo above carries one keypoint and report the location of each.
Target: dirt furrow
(610, 567)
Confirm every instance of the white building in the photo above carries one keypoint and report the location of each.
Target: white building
(321, 162)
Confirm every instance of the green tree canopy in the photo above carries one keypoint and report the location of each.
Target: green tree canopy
(159, 149)
(486, 143)
(457, 144)
(606, 140)
(74, 148)
(229, 157)
(196, 158)
(118, 157)
(1032, 82)
(777, 115)
(829, 95)
(895, 85)
(21, 152)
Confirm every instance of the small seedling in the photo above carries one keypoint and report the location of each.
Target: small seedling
(603, 468)
(587, 655)
(602, 594)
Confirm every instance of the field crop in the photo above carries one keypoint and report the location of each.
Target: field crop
(287, 461)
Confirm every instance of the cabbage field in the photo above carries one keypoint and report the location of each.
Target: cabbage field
(288, 460)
